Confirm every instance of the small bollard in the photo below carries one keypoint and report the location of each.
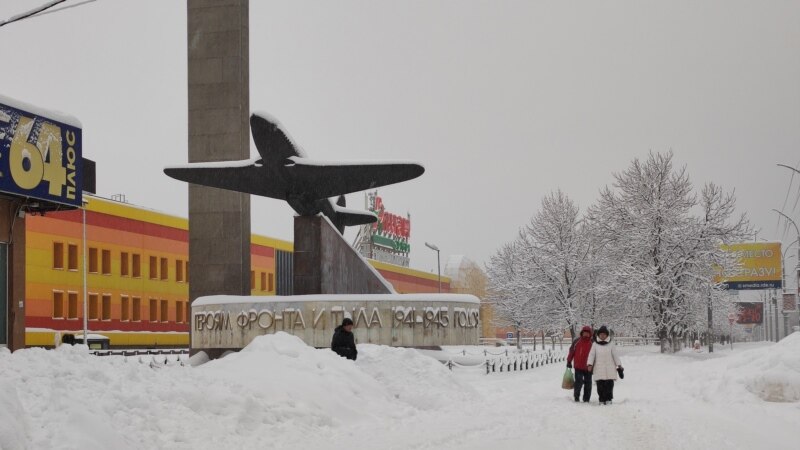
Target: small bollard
(487, 367)
(484, 352)
(450, 365)
(465, 352)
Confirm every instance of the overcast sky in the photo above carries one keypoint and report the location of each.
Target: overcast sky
(502, 101)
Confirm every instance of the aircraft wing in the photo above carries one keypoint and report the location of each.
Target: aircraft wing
(319, 179)
(242, 176)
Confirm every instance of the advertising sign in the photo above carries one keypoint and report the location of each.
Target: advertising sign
(750, 313)
(40, 154)
(759, 266)
(390, 231)
(789, 302)
(387, 239)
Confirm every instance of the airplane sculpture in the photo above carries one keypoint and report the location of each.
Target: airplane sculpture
(283, 172)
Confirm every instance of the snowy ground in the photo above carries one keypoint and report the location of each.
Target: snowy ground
(280, 394)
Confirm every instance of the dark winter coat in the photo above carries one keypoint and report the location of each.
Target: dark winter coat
(579, 351)
(344, 343)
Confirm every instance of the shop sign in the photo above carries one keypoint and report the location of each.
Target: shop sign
(40, 154)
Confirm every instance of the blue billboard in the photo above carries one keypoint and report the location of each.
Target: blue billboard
(40, 154)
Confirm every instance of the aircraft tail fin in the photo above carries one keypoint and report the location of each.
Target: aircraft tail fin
(344, 217)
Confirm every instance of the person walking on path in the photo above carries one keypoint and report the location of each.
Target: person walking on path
(604, 364)
(343, 342)
(578, 357)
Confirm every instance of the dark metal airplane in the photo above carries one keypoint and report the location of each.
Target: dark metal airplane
(283, 172)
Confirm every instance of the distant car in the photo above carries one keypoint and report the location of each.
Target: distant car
(94, 341)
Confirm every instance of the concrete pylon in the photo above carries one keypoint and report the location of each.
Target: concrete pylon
(219, 108)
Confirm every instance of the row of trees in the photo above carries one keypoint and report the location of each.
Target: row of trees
(641, 260)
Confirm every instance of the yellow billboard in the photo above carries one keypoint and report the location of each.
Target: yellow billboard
(759, 266)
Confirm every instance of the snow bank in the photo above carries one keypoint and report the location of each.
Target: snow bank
(411, 377)
(770, 373)
(13, 425)
(276, 393)
(773, 374)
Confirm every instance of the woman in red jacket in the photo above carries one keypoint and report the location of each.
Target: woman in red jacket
(578, 355)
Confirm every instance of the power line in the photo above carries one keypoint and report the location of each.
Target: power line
(31, 12)
(66, 7)
(43, 10)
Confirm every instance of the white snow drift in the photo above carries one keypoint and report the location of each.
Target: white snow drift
(280, 393)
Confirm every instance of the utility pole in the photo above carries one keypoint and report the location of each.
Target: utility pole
(797, 230)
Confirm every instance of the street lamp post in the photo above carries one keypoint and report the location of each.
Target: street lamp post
(85, 308)
(797, 230)
(438, 263)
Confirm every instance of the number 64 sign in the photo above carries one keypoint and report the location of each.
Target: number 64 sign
(40, 154)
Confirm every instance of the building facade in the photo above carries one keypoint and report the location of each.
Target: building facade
(137, 275)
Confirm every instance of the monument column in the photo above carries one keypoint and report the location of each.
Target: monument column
(219, 108)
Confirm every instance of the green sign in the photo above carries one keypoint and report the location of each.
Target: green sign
(398, 246)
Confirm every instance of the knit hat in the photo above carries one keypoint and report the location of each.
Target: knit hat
(347, 321)
(602, 330)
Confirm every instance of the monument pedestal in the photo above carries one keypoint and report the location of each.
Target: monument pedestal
(324, 263)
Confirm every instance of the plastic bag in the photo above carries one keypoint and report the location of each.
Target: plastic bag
(569, 381)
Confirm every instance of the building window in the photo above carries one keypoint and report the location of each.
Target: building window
(188, 311)
(125, 315)
(58, 305)
(137, 309)
(124, 265)
(179, 271)
(164, 268)
(106, 262)
(153, 268)
(136, 263)
(92, 260)
(94, 313)
(72, 305)
(179, 311)
(186, 272)
(271, 281)
(153, 310)
(252, 280)
(72, 257)
(106, 307)
(164, 311)
(263, 281)
(58, 255)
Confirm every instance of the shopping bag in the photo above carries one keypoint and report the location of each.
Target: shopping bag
(568, 382)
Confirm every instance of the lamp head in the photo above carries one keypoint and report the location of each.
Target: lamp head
(432, 247)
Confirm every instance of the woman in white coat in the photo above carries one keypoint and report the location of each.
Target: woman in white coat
(604, 364)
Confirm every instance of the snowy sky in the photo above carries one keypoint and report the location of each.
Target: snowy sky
(501, 101)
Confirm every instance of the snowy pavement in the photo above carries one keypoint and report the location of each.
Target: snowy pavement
(281, 394)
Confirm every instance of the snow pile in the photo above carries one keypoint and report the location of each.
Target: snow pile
(318, 384)
(773, 374)
(13, 426)
(770, 373)
(412, 377)
(277, 392)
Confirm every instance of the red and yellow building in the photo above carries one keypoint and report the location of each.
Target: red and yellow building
(137, 274)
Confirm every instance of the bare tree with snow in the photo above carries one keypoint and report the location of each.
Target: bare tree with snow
(664, 256)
